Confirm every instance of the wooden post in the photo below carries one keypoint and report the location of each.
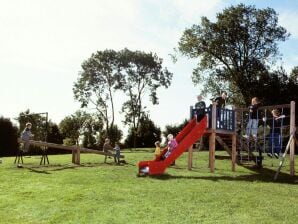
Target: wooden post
(73, 160)
(212, 140)
(234, 153)
(234, 141)
(78, 156)
(292, 145)
(190, 154)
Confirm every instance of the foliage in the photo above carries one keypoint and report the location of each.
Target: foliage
(8, 137)
(174, 129)
(137, 74)
(143, 75)
(115, 135)
(54, 135)
(235, 51)
(97, 83)
(69, 141)
(147, 134)
(79, 123)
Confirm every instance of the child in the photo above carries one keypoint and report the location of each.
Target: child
(252, 125)
(220, 104)
(200, 107)
(157, 149)
(275, 134)
(25, 136)
(172, 144)
(117, 153)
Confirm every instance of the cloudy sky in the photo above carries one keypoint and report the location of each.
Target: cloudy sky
(44, 42)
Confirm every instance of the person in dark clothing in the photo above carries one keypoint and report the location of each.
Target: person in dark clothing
(221, 100)
(200, 107)
(275, 134)
(220, 104)
(253, 119)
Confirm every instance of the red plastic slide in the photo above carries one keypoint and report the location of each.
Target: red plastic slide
(187, 137)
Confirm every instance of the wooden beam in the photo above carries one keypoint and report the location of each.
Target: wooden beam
(68, 148)
(266, 107)
(212, 152)
(190, 156)
(284, 156)
(292, 145)
(234, 152)
(223, 144)
(212, 140)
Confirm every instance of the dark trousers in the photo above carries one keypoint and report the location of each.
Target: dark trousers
(274, 143)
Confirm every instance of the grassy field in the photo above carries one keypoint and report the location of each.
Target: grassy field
(107, 193)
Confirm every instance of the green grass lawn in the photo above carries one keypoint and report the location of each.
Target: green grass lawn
(106, 193)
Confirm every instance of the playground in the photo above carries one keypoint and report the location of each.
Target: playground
(95, 192)
(99, 122)
(238, 180)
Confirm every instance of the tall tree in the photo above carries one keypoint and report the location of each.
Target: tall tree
(97, 82)
(143, 75)
(236, 49)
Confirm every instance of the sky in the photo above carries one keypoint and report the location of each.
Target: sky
(44, 42)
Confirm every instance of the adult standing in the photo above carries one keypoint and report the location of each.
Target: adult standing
(107, 148)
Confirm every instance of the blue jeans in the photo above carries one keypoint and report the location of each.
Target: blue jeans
(274, 143)
(117, 156)
(252, 127)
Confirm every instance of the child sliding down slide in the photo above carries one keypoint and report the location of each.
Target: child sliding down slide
(172, 144)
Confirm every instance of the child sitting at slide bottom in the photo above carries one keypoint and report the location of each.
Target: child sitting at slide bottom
(157, 149)
(172, 144)
(117, 154)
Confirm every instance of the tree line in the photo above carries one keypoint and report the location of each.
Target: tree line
(79, 128)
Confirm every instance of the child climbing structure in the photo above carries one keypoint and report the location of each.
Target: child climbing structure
(230, 134)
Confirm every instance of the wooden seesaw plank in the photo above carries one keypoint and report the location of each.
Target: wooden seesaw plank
(69, 148)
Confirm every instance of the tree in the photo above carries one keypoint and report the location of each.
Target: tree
(235, 50)
(148, 133)
(294, 75)
(174, 129)
(136, 73)
(8, 137)
(54, 135)
(143, 75)
(79, 123)
(97, 82)
(115, 136)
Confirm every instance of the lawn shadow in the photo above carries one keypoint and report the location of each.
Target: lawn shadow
(261, 175)
(47, 169)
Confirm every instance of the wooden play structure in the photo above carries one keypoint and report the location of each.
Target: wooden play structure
(76, 151)
(223, 128)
